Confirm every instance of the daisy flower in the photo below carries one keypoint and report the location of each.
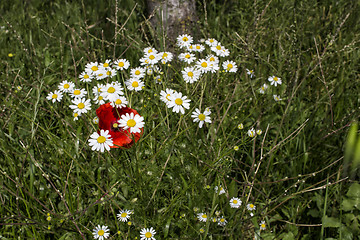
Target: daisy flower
(131, 121)
(235, 202)
(221, 191)
(211, 42)
(150, 50)
(106, 64)
(184, 40)
(191, 48)
(250, 73)
(191, 74)
(258, 132)
(179, 102)
(99, 99)
(121, 64)
(106, 73)
(214, 219)
(92, 67)
(80, 105)
(277, 98)
(100, 142)
(201, 230)
(54, 96)
(97, 89)
(152, 58)
(195, 209)
(147, 234)
(201, 117)
(158, 79)
(138, 72)
(262, 225)
(222, 221)
(119, 103)
(274, 80)
(263, 88)
(101, 232)
(150, 70)
(78, 93)
(187, 57)
(111, 91)
(251, 132)
(95, 120)
(217, 49)
(66, 86)
(166, 57)
(166, 95)
(213, 62)
(76, 116)
(124, 215)
(250, 207)
(134, 84)
(86, 77)
(203, 65)
(202, 217)
(240, 126)
(229, 66)
(199, 47)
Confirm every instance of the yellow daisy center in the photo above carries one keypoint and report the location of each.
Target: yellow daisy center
(100, 74)
(229, 66)
(81, 105)
(164, 55)
(191, 47)
(150, 50)
(123, 215)
(94, 68)
(187, 56)
(178, 101)
(101, 139)
(66, 86)
(190, 74)
(152, 57)
(212, 59)
(111, 90)
(204, 216)
(148, 235)
(77, 92)
(263, 225)
(137, 72)
(201, 117)
(108, 73)
(211, 40)
(76, 114)
(101, 232)
(106, 65)
(135, 84)
(185, 39)
(218, 47)
(115, 125)
(131, 123)
(251, 205)
(86, 76)
(121, 64)
(197, 47)
(204, 64)
(54, 96)
(100, 98)
(118, 101)
(235, 201)
(222, 220)
(276, 79)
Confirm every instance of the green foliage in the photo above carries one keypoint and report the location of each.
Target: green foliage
(296, 172)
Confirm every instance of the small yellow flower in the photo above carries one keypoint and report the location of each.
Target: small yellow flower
(49, 227)
(10, 55)
(240, 126)
(129, 223)
(236, 148)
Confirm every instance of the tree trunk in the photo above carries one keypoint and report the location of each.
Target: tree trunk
(174, 17)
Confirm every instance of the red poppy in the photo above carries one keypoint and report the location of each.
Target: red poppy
(108, 117)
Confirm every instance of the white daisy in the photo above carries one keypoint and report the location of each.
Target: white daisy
(235, 202)
(222, 221)
(66, 86)
(213, 62)
(179, 102)
(138, 72)
(199, 47)
(97, 89)
(124, 215)
(258, 132)
(166, 57)
(262, 225)
(277, 98)
(214, 219)
(147, 234)
(111, 91)
(220, 188)
(121, 64)
(203, 65)
(101, 232)
(250, 207)
(95, 120)
(100, 142)
(92, 67)
(212, 59)
(217, 49)
(76, 116)
(240, 126)
(107, 73)
(191, 74)
(274, 80)
(134, 84)
(134, 122)
(165, 96)
(202, 217)
(187, 57)
(86, 77)
(158, 79)
(201, 117)
(54, 96)
(229, 66)
(263, 88)
(211, 42)
(250, 73)
(80, 105)
(119, 103)
(251, 132)
(78, 93)
(99, 100)
(150, 50)
(152, 58)
(184, 40)
(106, 64)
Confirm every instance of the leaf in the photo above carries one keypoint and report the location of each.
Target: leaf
(331, 222)
(345, 233)
(288, 236)
(347, 204)
(354, 191)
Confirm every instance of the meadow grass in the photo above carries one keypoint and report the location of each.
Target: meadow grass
(53, 186)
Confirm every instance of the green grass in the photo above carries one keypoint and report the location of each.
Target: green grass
(294, 172)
